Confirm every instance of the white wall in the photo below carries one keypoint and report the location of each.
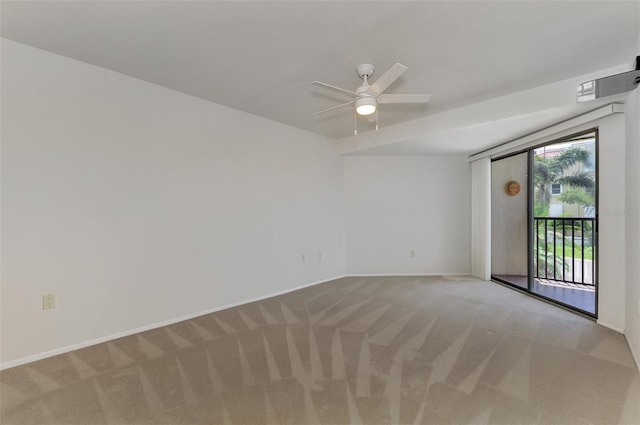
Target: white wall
(136, 204)
(509, 217)
(632, 217)
(398, 204)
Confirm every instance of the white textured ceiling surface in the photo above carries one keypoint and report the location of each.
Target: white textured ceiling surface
(260, 57)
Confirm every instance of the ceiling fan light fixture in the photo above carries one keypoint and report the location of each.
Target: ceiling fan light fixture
(365, 106)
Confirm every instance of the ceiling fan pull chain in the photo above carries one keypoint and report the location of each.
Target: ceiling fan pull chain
(376, 119)
(355, 122)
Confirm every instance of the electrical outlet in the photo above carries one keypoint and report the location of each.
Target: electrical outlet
(412, 253)
(48, 301)
(320, 255)
(302, 258)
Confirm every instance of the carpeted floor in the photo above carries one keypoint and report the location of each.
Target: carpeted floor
(410, 350)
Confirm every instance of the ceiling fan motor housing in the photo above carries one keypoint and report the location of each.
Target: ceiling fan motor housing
(365, 103)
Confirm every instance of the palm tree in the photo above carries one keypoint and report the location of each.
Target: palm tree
(549, 171)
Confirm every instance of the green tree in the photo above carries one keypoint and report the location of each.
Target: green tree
(577, 195)
(549, 171)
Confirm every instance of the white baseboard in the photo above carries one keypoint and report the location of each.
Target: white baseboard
(634, 354)
(610, 326)
(406, 274)
(66, 349)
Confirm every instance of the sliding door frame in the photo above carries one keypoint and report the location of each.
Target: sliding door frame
(529, 252)
(530, 231)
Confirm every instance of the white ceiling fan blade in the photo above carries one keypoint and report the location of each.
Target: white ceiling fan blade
(386, 79)
(403, 98)
(334, 88)
(335, 107)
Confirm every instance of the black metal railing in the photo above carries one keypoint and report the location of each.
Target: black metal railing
(565, 249)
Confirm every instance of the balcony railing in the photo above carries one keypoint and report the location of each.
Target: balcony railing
(564, 249)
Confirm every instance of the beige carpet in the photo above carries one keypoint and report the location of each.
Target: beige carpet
(411, 350)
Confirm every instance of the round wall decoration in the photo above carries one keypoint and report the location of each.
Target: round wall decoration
(512, 188)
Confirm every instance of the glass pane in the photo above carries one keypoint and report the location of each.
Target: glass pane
(564, 205)
(509, 220)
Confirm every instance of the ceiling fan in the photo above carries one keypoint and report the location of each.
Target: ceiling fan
(367, 97)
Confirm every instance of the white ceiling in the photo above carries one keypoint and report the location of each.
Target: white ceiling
(260, 57)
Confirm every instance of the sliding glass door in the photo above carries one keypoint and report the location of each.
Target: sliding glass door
(544, 226)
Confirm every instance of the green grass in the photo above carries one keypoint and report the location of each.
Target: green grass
(588, 251)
